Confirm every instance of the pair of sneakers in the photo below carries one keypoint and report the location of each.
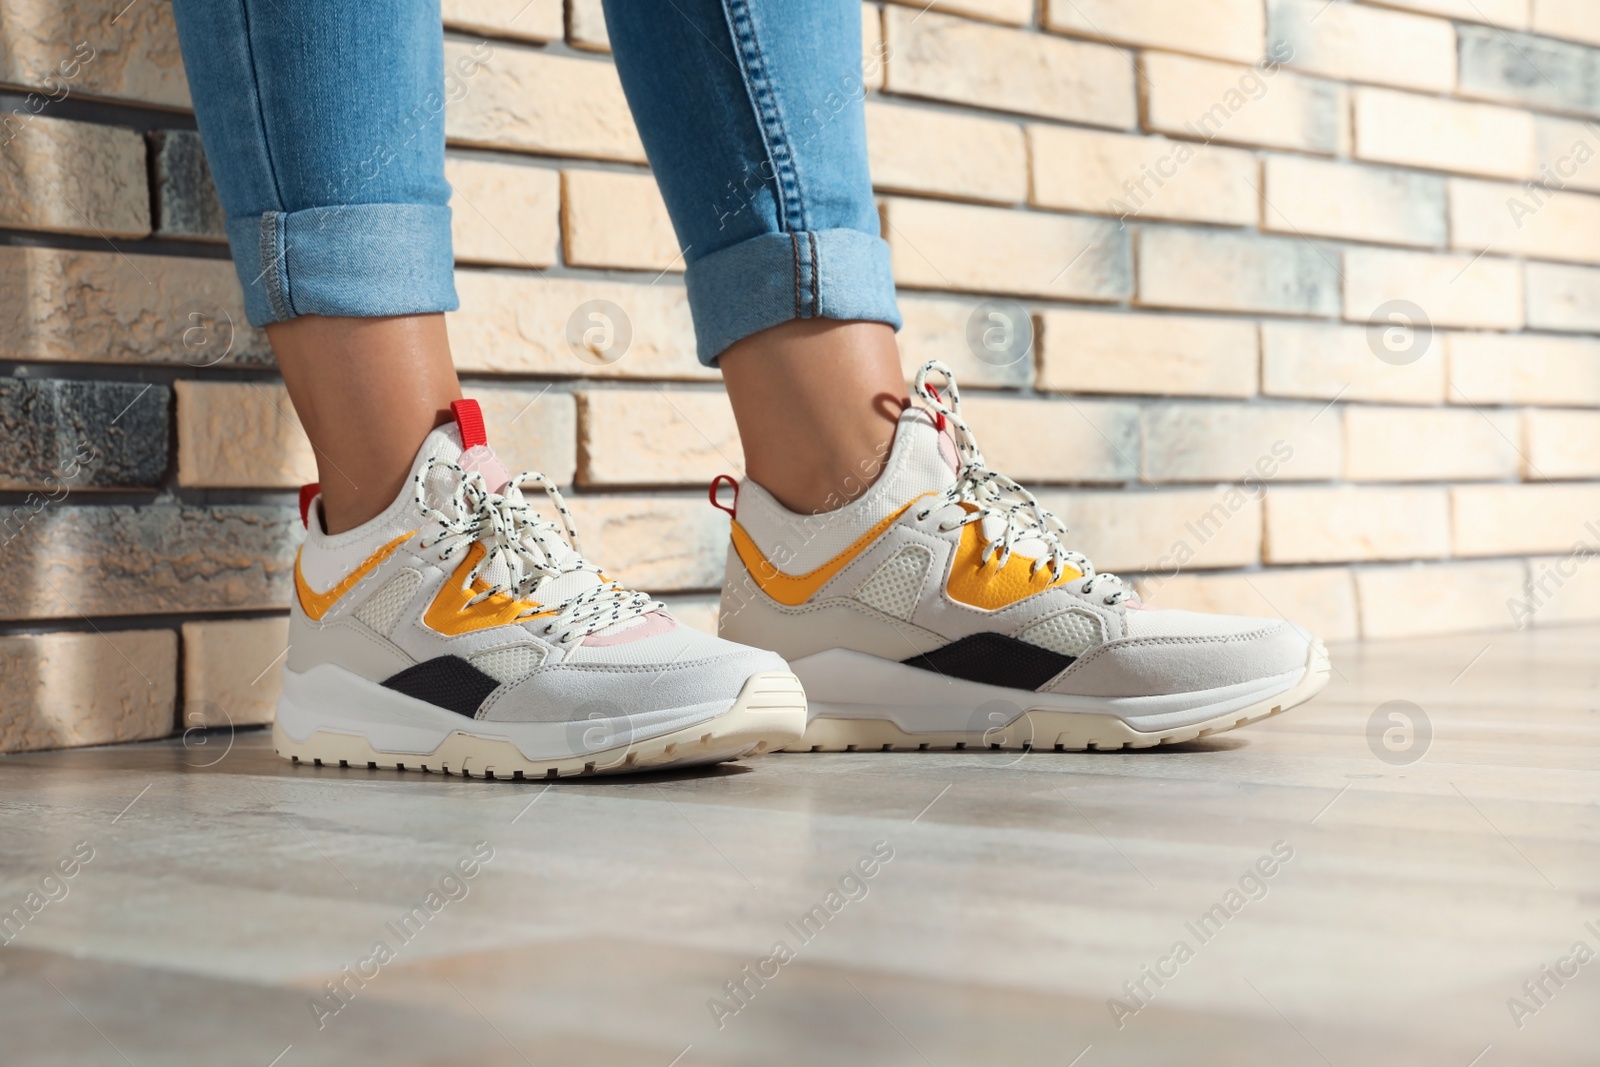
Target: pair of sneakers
(463, 631)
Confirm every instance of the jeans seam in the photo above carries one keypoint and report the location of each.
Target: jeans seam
(763, 101)
(261, 116)
(273, 277)
(794, 243)
(816, 276)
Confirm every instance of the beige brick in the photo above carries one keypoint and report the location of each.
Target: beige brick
(74, 177)
(1226, 29)
(240, 434)
(1248, 443)
(1508, 219)
(515, 324)
(1057, 441)
(1561, 444)
(994, 250)
(1012, 12)
(874, 53)
(232, 676)
(246, 434)
(1424, 131)
(1512, 14)
(1497, 368)
(1563, 298)
(973, 64)
(1429, 444)
(1365, 44)
(936, 328)
(1440, 598)
(532, 428)
(1562, 590)
(523, 20)
(654, 543)
(616, 220)
(695, 612)
(1576, 20)
(656, 437)
(1311, 360)
(1567, 153)
(103, 307)
(1197, 98)
(68, 690)
(1310, 196)
(1164, 532)
(531, 101)
(1320, 599)
(922, 150)
(1503, 520)
(1165, 355)
(93, 49)
(586, 26)
(506, 214)
(1215, 270)
(1341, 523)
(1451, 290)
(1146, 177)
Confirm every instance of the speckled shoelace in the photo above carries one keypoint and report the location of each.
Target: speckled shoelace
(534, 550)
(993, 495)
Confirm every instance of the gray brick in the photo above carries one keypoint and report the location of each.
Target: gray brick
(1216, 270)
(1520, 68)
(186, 203)
(1246, 443)
(67, 562)
(99, 435)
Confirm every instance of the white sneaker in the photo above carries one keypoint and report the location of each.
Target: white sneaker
(460, 632)
(942, 609)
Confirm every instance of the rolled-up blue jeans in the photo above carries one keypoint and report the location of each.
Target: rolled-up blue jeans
(323, 121)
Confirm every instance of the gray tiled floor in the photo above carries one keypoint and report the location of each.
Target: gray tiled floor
(1022, 893)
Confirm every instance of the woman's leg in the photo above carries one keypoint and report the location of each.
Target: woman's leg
(751, 113)
(323, 122)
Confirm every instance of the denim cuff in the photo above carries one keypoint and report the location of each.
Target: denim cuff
(814, 274)
(362, 260)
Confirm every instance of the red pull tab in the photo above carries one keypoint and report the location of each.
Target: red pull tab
(308, 493)
(938, 416)
(469, 420)
(716, 483)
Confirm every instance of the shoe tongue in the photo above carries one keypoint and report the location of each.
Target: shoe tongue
(463, 443)
(938, 465)
(923, 459)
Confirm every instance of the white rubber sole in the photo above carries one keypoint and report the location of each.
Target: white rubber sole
(330, 716)
(908, 708)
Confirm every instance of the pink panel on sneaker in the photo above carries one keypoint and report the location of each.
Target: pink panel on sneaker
(947, 452)
(655, 623)
(481, 458)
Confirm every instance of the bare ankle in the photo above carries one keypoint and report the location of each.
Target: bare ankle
(367, 392)
(816, 401)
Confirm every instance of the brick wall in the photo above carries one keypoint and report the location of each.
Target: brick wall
(1209, 208)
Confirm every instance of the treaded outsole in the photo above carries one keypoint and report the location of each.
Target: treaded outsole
(769, 712)
(1058, 731)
